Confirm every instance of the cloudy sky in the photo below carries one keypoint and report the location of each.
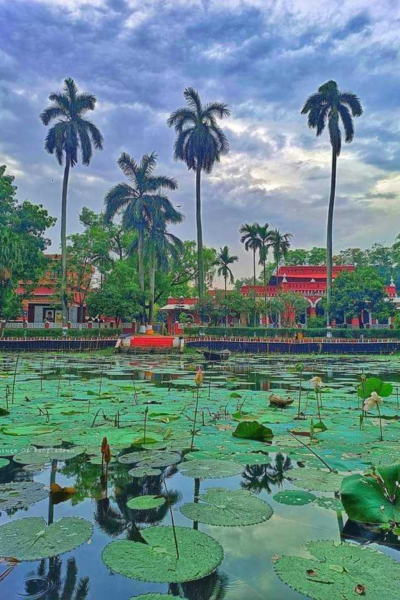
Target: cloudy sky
(261, 57)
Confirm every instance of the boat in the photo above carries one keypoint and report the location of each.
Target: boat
(216, 355)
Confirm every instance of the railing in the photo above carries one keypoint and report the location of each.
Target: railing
(79, 326)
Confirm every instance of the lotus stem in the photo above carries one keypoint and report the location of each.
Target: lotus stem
(172, 518)
(380, 421)
(145, 423)
(41, 374)
(14, 378)
(96, 415)
(195, 418)
(315, 454)
(299, 405)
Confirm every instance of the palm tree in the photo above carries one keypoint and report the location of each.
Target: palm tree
(264, 234)
(280, 244)
(142, 200)
(162, 249)
(224, 259)
(330, 106)
(70, 134)
(251, 241)
(199, 143)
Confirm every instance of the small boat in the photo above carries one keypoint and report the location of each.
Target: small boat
(216, 355)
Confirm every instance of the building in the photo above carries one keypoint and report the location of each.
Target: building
(308, 280)
(43, 302)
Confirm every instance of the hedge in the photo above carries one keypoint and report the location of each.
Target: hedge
(57, 333)
(262, 332)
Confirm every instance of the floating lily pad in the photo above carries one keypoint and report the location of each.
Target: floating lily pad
(39, 456)
(294, 497)
(210, 469)
(20, 494)
(156, 560)
(252, 430)
(32, 539)
(145, 502)
(228, 508)
(338, 569)
(4, 462)
(316, 480)
(329, 503)
(28, 430)
(144, 472)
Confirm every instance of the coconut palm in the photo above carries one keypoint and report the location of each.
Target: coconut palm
(199, 143)
(329, 106)
(71, 134)
(279, 244)
(142, 200)
(251, 240)
(224, 259)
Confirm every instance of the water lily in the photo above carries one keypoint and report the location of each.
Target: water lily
(317, 383)
(372, 401)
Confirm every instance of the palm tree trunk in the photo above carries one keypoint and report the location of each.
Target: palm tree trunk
(200, 265)
(226, 310)
(265, 289)
(329, 241)
(254, 282)
(141, 271)
(152, 286)
(64, 298)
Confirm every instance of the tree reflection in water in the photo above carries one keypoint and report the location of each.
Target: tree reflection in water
(257, 478)
(212, 587)
(49, 577)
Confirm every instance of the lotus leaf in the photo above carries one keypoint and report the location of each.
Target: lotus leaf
(210, 469)
(32, 539)
(337, 569)
(145, 502)
(228, 508)
(156, 560)
(294, 497)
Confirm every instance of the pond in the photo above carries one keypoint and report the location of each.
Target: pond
(255, 499)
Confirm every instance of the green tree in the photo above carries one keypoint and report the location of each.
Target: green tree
(351, 256)
(358, 291)
(289, 306)
(316, 256)
(199, 143)
(142, 202)
(297, 257)
(330, 106)
(251, 240)
(280, 245)
(22, 242)
(70, 134)
(120, 296)
(224, 259)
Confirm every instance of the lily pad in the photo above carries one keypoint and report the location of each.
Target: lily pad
(210, 469)
(4, 462)
(145, 502)
(32, 539)
(338, 569)
(328, 503)
(18, 495)
(373, 497)
(294, 497)
(316, 480)
(144, 472)
(156, 560)
(228, 508)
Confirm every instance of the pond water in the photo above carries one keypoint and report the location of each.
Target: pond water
(69, 401)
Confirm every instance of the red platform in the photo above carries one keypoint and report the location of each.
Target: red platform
(152, 341)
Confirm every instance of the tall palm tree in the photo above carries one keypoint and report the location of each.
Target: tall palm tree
(264, 234)
(280, 244)
(331, 106)
(199, 143)
(162, 249)
(70, 134)
(251, 241)
(224, 259)
(142, 200)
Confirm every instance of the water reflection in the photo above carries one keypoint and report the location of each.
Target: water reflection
(47, 582)
(212, 587)
(257, 478)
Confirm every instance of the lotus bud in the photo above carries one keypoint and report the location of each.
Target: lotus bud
(104, 444)
(107, 454)
(198, 379)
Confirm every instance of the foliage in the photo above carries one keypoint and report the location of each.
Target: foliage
(290, 306)
(251, 430)
(22, 242)
(373, 497)
(358, 291)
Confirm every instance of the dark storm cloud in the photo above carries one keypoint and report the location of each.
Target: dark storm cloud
(262, 58)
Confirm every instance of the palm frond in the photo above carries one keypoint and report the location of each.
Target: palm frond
(95, 134)
(70, 88)
(220, 109)
(334, 133)
(347, 121)
(50, 113)
(353, 101)
(128, 166)
(313, 101)
(181, 117)
(193, 99)
(116, 198)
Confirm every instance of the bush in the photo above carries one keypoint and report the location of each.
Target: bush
(57, 333)
(262, 332)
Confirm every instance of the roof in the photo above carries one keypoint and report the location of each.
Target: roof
(182, 306)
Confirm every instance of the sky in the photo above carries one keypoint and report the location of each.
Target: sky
(261, 57)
